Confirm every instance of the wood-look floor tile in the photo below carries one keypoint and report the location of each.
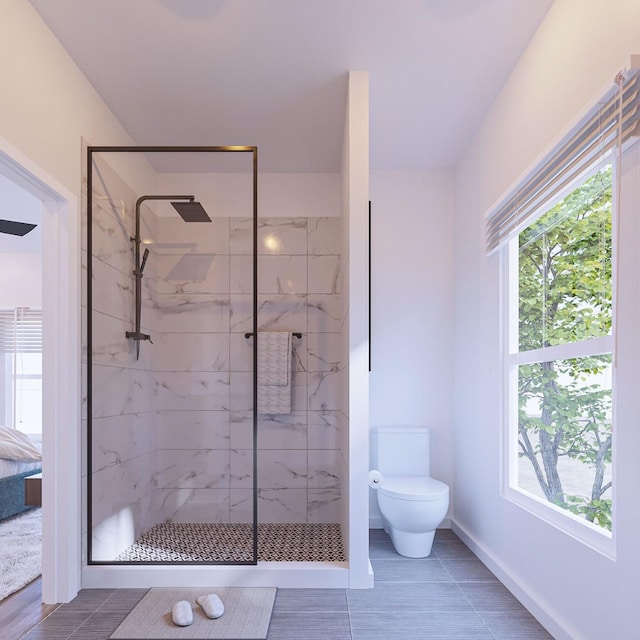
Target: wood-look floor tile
(401, 569)
(467, 570)
(409, 598)
(88, 634)
(388, 624)
(90, 598)
(446, 534)
(489, 596)
(382, 550)
(102, 621)
(290, 625)
(324, 600)
(514, 625)
(449, 596)
(122, 602)
(41, 633)
(22, 610)
(454, 549)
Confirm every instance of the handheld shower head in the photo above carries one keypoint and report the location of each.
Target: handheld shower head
(145, 255)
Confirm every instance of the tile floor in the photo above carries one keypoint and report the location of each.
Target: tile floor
(449, 596)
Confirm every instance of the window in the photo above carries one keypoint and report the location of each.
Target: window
(21, 369)
(559, 275)
(559, 356)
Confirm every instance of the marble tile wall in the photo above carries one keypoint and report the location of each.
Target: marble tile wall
(122, 450)
(203, 366)
(298, 282)
(172, 431)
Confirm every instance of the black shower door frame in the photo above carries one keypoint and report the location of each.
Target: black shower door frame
(89, 168)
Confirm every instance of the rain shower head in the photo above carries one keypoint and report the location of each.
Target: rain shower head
(191, 211)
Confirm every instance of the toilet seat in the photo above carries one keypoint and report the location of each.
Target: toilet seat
(418, 488)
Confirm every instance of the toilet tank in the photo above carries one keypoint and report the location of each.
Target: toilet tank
(401, 451)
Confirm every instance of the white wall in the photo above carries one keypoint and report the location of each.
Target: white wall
(47, 109)
(575, 591)
(355, 176)
(280, 195)
(20, 256)
(47, 105)
(412, 308)
(21, 280)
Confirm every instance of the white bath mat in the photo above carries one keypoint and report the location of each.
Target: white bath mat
(247, 613)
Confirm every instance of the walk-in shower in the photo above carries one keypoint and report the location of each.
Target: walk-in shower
(182, 468)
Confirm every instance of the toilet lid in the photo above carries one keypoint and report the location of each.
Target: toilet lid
(414, 488)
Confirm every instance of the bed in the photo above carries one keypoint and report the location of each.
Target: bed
(19, 458)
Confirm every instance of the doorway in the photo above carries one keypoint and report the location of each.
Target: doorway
(60, 374)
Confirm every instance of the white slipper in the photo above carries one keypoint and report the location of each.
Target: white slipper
(182, 614)
(212, 605)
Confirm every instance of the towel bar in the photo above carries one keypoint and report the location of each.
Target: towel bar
(295, 334)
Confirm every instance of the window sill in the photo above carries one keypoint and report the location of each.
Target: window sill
(579, 529)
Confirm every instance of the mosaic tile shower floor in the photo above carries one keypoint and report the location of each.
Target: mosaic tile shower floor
(202, 542)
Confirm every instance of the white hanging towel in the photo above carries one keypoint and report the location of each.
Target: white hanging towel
(274, 372)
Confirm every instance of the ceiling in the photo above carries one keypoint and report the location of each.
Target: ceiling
(274, 73)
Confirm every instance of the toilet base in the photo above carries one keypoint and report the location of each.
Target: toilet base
(411, 545)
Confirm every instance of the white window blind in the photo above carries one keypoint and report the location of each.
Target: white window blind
(588, 142)
(21, 330)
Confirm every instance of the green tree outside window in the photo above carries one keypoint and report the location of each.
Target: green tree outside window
(565, 296)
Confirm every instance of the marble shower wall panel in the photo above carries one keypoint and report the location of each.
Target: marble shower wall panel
(192, 505)
(192, 395)
(122, 450)
(282, 312)
(119, 439)
(192, 352)
(300, 275)
(177, 430)
(192, 313)
(175, 237)
(325, 313)
(110, 233)
(282, 274)
(274, 505)
(199, 391)
(191, 258)
(191, 273)
(326, 429)
(203, 369)
(122, 505)
(191, 434)
(193, 469)
(274, 432)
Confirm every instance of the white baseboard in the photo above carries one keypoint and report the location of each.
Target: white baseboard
(519, 592)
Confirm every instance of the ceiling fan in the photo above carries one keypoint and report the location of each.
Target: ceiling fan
(16, 228)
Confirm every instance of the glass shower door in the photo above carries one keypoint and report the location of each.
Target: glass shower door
(170, 421)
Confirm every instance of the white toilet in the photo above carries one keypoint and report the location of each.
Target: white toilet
(412, 504)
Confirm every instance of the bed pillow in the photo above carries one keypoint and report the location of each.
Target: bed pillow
(15, 445)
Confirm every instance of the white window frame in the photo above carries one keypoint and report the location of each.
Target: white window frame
(577, 527)
(11, 353)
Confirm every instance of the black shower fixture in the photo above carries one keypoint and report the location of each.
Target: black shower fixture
(16, 228)
(190, 211)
